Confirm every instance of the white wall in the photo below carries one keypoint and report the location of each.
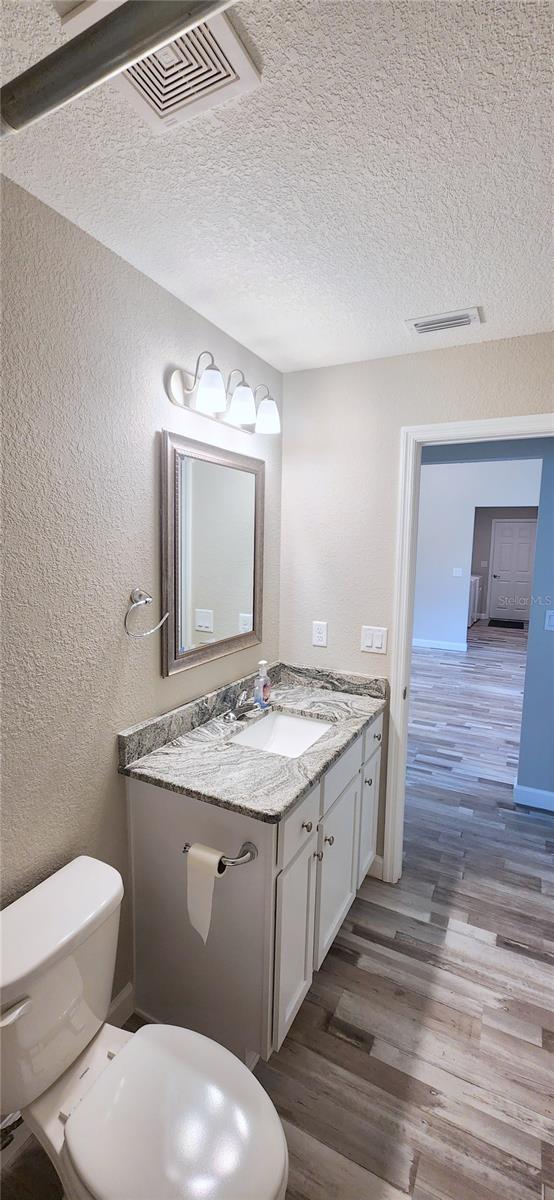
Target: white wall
(340, 477)
(449, 495)
(87, 340)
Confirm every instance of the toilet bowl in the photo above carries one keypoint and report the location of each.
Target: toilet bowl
(162, 1114)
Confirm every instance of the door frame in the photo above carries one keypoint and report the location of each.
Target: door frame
(412, 440)
(499, 521)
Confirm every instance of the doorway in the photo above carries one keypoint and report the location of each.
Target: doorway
(413, 440)
(512, 556)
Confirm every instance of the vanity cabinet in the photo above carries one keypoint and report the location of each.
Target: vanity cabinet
(273, 919)
(369, 807)
(337, 866)
(294, 935)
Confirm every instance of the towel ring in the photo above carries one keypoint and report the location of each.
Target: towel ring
(137, 599)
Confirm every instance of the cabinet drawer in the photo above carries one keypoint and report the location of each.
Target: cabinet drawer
(296, 828)
(339, 775)
(373, 737)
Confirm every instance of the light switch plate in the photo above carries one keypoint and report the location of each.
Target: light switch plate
(319, 633)
(457, 571)
(549, 620)
(204, 620)
(374, 639)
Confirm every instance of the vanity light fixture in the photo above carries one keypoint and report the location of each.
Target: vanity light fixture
(267, 419)
(211, 397)
(251, 409)
(242, 406)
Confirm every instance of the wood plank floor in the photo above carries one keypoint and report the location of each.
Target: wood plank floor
(421, 1063)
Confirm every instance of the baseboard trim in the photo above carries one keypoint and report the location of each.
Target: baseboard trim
(436, 645)
(534, 797)
(122, 1006)
(376, 868)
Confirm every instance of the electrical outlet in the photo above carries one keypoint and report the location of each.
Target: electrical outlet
(549, 620)
(374, 639)
(319, 633)
(245, 623)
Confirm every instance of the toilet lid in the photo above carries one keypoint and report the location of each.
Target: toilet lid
(175, 1116)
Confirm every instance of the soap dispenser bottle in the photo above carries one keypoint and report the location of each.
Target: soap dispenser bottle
(262, 685)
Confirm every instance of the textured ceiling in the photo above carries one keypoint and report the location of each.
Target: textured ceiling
(393, 163)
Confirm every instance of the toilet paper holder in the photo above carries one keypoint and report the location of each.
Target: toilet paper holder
(247, 853)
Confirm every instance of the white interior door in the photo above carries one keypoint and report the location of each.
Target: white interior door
(512, 558)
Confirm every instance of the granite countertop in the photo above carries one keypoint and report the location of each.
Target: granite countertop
(206, 764)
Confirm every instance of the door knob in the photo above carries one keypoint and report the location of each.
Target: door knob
(319, 855)
(369, 782)
(496, 576)
(308, 826)
(331, 840)
(377, 737)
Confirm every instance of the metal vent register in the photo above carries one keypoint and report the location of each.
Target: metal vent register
(441, 321)
(201, 68)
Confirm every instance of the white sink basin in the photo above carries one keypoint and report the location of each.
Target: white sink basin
(279, 733)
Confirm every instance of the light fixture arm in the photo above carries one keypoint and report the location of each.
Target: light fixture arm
(265, 388)
(187, 391)
(235, 371)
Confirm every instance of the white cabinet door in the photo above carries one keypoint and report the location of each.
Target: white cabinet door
(337, 870)
(369, 805)
(294, 937)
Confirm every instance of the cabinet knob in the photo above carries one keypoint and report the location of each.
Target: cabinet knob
(330, 840)
(377, 737)
(308, 826)
(369, 782)
(319, 855)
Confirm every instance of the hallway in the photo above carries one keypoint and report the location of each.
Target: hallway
(421, 1062)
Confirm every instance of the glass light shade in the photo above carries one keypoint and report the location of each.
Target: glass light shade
(267, 420)
(242, 409)
(210, 394)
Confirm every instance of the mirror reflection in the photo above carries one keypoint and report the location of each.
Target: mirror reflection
(212, 540)
(217, 524)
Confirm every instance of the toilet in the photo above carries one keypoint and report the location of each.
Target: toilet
(162, 1114)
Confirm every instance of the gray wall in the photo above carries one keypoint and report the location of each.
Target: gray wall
(536, 759)
(87, 339)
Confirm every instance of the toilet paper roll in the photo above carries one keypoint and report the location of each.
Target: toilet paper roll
(203, 867)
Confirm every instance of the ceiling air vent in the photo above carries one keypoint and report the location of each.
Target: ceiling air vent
(439, 322)
(202, 68)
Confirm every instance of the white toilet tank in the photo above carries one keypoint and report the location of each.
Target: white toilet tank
(58, 945)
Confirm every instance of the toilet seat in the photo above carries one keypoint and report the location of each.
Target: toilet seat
(175, 1116)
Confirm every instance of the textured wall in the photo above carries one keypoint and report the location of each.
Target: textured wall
(87, 339)
(340, 477)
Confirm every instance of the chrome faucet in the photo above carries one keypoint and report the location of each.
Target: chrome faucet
(245, 704)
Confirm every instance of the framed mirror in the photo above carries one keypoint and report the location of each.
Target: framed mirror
(212, 551)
